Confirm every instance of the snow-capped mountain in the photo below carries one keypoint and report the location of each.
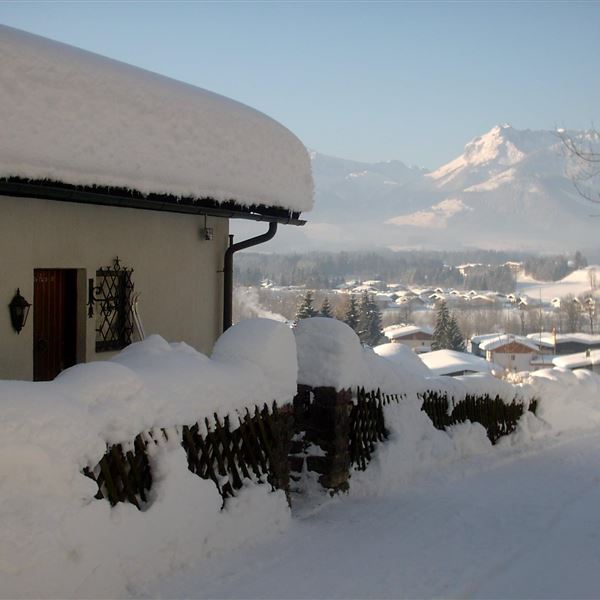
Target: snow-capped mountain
(509, 189)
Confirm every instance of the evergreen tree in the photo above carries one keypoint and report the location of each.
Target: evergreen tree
(326, 309)
(306, 309)
(441, 338)
(369, 324)
(455, 337)
(351, 316)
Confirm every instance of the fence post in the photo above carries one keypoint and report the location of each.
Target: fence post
(282, 434)
(323, 413)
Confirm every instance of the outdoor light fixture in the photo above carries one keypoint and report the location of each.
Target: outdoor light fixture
(19, 309)
(206, 233)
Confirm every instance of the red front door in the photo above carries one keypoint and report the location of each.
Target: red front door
(54, 322)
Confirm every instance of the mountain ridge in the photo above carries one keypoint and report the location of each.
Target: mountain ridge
(509, 189)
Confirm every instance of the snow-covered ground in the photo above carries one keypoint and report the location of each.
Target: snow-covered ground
(433, 508)
(512, 523)
(575, 283)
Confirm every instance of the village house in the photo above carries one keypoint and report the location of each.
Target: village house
(451, 363)
(116, 190)
(510, 352)
(415, 337)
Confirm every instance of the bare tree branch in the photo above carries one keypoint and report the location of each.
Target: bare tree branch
(584, 163)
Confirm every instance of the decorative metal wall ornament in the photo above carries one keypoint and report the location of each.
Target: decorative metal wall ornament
(112, 297)
(19, 310)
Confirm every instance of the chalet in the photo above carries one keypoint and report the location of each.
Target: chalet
(116, 190)
(453, 364)
(415, 337)
(510, 352)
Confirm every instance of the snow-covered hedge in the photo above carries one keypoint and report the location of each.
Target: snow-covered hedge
(330, 354)
(56, 539)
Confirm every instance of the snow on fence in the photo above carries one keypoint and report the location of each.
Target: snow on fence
(367, 425)
(207, 437)
(497, 416)
(335, 430)
(256, 450)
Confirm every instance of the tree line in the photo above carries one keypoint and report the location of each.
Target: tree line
(326, 270)
(363, 315)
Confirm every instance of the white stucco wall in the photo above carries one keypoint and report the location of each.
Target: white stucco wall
(520, 362)
(175, 272)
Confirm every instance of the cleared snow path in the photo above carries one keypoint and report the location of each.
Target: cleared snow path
(511, 524)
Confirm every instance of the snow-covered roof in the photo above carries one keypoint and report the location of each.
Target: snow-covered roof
(72, 117)
(397, 331)
(547, 338)
(580, 359)
(444, 362)
(477, 339)
(503, 340)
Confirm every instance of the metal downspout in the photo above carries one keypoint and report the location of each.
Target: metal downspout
(228, 270)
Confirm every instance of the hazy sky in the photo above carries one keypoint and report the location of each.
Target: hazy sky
(363, 80)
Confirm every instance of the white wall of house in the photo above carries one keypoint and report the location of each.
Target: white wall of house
(175, 272)
(512, 361)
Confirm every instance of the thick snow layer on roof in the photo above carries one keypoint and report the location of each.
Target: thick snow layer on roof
(547, 338)
(503, 340)
(477, 339)
(397, 331)
(78, 118)
(444, 362)
(580, 359)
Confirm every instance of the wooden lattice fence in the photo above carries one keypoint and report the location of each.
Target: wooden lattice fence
(498, 417)
(367, 425)
(257, 449)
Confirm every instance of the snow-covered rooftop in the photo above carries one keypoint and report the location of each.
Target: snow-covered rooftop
(547, 338)
(477, 339)
(503, 340)
(581, 359)
(445, 362)
(77, 118)
(397, 331)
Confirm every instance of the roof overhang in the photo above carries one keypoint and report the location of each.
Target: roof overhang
(105, 196)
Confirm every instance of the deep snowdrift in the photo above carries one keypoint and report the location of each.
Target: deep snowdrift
(58, 541)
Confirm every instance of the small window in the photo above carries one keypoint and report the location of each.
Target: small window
(512, 357)
(111, 299)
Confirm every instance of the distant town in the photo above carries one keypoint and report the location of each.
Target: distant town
(512, 322)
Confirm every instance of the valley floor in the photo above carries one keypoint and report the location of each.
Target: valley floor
(511, 524)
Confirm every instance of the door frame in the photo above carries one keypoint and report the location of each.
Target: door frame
(74, 327)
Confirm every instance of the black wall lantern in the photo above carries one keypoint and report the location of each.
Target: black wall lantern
(19, 309)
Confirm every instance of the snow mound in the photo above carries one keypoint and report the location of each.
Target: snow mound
(80, 547)
(403, 357)
(330, 354)
(75, 117)
(267, 344)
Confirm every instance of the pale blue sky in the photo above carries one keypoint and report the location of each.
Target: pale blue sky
(369, 81)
